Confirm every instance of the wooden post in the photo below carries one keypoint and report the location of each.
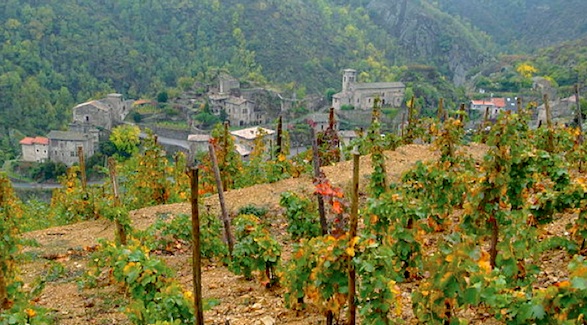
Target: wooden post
(352, 234)
(441, 109)
(225, 155)
(521, 110)
(3, 291)
(196, 254)
(4, 303)
(225, 219)
(279, 139)
(120, 231)
(550, 136)
(82, 167)
(579, 114)
(547, 111)
(317, 177)
(403, 125)
(410, 131)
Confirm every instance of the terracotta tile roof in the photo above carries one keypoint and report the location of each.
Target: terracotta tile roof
(27, 140)
(498, 102)
(35, 140)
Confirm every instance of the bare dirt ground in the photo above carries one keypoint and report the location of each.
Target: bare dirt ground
(65, 251)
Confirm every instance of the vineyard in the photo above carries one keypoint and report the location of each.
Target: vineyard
(482, 228)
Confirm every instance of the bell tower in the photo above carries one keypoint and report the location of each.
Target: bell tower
(349, 77)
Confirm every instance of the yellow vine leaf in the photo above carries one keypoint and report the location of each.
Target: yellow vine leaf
(484, 262)
(350, 251)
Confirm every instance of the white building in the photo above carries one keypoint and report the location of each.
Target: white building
(35, 149)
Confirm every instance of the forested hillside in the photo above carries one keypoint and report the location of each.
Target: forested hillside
(58, 53)
(523, 24)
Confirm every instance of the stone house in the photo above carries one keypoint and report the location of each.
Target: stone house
(494, 105)
(346, 136)
(562, 111)
(321, 121)
(198, 143)
(35, 149)
(227, 84)
(241, 106)
(63, 146)
(244, 139)
(104, 113)
(362, 95)
(239, 111)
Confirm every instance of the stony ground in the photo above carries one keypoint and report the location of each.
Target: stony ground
(64, 252)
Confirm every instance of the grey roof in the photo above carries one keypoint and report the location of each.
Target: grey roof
(198, 137)
(67, 135)
(378, 85)
(348, 134)
(251, 133)
(320, 117)
(237, 100)
(96, 103)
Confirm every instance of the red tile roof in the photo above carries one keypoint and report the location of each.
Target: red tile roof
(497, 102)
(35, 140)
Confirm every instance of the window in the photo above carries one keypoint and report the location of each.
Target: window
(87, 118)
(245, 111)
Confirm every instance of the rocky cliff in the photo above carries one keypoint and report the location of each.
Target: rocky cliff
(429, 36)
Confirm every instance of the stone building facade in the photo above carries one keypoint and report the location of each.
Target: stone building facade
(104, 113)
(244, 139)
(63, 146)
(34, 149)
(363, 95)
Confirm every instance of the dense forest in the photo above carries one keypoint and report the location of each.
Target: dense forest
(517, 25)
(55, 54)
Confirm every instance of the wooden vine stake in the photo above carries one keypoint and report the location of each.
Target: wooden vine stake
(82, 167)
(550, 138)
(519, 107)
(579, 114)
(410, 132)
(279, 140)
(352, 234)
(120, 231)
(580, 125)
(196, 255)
(441, 109)
(4, 260)
(225, 219)
(317, 178)
(225, 155)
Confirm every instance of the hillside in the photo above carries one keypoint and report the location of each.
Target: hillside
(242, 302)
(63, 254)
(525, 24)
(58, 53)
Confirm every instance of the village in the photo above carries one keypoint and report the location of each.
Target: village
(250, 118)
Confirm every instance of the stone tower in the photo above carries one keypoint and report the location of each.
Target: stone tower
(349, 77)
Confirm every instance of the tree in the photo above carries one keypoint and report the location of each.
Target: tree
(162, 97)
(126, 139)
(526, 70)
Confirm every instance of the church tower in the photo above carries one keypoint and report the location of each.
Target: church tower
(349, 77)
